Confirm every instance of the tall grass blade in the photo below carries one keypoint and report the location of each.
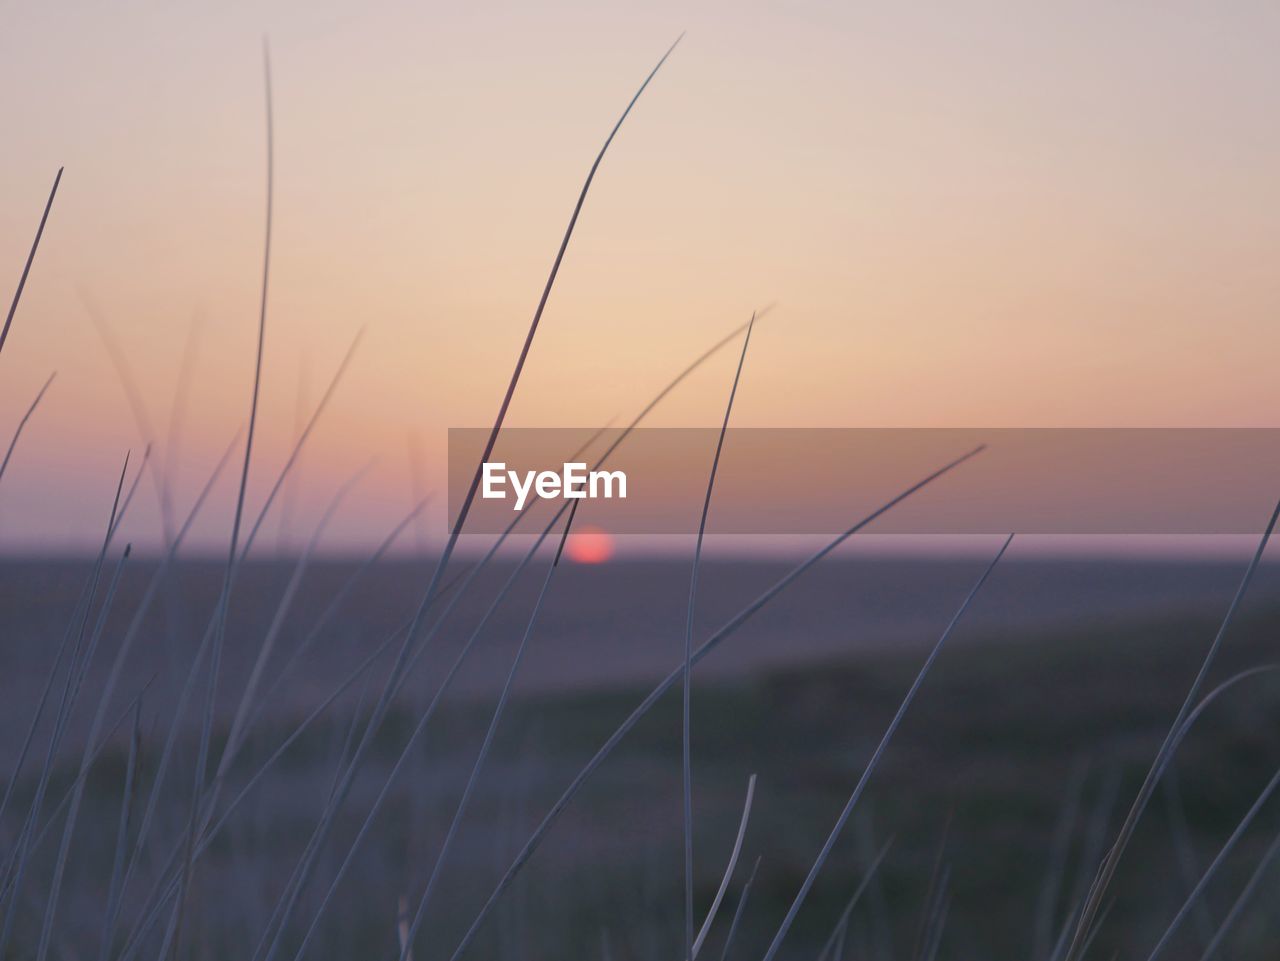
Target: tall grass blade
(1242, 900)
(937, 887)
(739, 911)
(867, 877)
(293, 888)
(1216, 863)
(877, 754)
(714, 641)
(1188, 866)
(1056, 871)
(70, 689)
(687, 682)
(483, 755)
(278, 620)
(26, 269)
(56, 811)
(138, 408)
(291, 461)
(1107, 869)
(423, 721)
(55, 886)
(728, 870)
(167, 885)
(224, 601)
(8, 454)
(122, 833)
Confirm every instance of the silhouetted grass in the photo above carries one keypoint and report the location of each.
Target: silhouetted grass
(258, 806)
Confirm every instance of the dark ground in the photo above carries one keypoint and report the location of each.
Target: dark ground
(1052, 698)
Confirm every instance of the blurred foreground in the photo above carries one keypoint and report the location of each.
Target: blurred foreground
(1011, 771)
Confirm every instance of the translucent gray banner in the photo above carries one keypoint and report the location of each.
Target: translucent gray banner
(821, 480)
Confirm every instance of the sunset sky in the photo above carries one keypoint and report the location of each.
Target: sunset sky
(984, 214)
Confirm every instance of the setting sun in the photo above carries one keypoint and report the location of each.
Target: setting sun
(591, 545)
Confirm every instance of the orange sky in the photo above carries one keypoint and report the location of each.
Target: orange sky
(968, 214)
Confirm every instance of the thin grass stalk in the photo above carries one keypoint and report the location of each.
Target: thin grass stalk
(487, 744)
(294, 886)
(138, 408)
(163, 472)
(65, 705)
(279, 618)
(1109, 791)
(739, 911)
(1095, 843)
(867, 877)
(1107, 869)
(878, 928)
(349, 738)
(237, 734)
(938, 921)
(202, 649)
(421, 726)
(224, 601)
(26, 269)
(719, 636)
(331, 609)
(55, 886)
(325, 617)
(133, 632)
(1185, 852)
(937, 884)
(174, 542)
(1242, 900)
(127, 501)
(728, 870)
(291, 462)
(441, 690)
(842, 933)
(1216, 863)
(122, 833)
(1093, 935)
(38, 713)
(405, 752)
(465, 580)
(877, 754)
(56, 811)
(402, 928)
(144, 605)
(1056, 870)
(163, 889)
(208, 836)
(74, 678)
(4, 466)
(686, 723)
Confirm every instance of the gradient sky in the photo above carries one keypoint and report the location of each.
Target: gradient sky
(990, 214)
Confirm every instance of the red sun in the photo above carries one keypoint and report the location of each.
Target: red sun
(590, 545)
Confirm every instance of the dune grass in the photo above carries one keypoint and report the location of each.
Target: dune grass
(147, 820)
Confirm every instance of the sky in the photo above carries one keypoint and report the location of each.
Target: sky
(978, 215)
